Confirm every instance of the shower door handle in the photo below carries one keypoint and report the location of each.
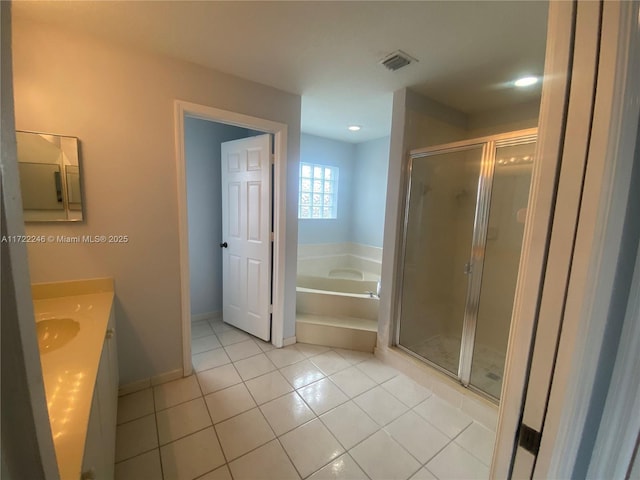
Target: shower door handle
(468, 268)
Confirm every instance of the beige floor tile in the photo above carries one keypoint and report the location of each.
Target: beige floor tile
(454, 462)
(191, 456)
(268, 462)
(286, 413)
(281, 357)
(218, 378)
(219, 326)
(349, 424)
(302, 373)
(172, 393)
(352, 381)
(444, 416)
(309, 350)
(145, 466)
(342, 468)
(200, 329)
(243, 433)
(417, 436)
(264, 346)
(330, 362)
(406, 390)
(136, 437)
(203, 344)
(229, 337)
(382, 458)
(135, 405)
(322, 396)
(240, 350)
(221, 473)
(211, 359)
(267, 387)
(255, 366)
(353, 356)
(377, 370)
(424, 474)
(229, 402)
(478, 440)
(182, 420)
(380, 405)
(310, 446)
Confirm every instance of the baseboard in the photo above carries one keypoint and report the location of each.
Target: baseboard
(167, 377)
(134, 387)
(289, 341)
(198, 317)
(150, 382)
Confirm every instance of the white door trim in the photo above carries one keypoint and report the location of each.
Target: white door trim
(598, 246)
(279, 130)
(536, 234)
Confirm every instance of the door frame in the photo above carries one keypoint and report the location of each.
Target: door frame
(611, 142)
(279, 130)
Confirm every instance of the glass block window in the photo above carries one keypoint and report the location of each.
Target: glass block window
(318, 191)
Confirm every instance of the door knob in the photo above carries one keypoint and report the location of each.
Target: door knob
(224, 245)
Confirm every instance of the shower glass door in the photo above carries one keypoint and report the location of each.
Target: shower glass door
(507, 213)
(439, 234)
(464, 222)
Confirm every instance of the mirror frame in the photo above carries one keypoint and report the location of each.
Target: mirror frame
(70, 158)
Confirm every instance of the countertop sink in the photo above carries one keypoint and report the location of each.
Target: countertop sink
(54, 333)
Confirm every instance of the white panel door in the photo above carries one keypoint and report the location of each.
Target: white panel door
(246, 234)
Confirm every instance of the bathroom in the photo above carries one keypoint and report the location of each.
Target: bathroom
(120, 102)
(120, 206)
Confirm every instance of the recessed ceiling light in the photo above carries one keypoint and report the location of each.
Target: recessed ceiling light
(526, 81)
(354, 128)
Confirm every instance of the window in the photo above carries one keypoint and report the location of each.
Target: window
(318, 197)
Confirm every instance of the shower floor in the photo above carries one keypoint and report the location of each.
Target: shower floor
(488, 364)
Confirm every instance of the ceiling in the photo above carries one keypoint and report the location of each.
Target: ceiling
(329, 52)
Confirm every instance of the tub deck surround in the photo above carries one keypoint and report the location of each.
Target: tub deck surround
(70, 371)
(328, 260)
(336, 301)
(338, 332)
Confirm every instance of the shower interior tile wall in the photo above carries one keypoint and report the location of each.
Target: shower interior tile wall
(305, 411)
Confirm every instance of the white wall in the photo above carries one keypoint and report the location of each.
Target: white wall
(119, 102)
(369, 185)
(202, 140)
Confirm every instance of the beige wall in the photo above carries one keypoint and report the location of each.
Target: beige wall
(517, 117)
(119, 103)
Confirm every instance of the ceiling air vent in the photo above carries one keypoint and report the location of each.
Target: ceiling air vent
(397, 60)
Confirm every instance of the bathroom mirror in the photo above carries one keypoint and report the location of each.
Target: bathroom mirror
(49, 177)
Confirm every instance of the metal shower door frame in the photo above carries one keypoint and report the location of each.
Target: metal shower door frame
(475, 264)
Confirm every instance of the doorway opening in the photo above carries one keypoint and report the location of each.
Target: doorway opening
(341, 211)
(200, 212)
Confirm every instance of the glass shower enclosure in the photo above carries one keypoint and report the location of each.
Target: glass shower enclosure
(464, 221)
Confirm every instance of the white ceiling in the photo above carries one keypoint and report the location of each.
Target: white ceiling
(328, 52)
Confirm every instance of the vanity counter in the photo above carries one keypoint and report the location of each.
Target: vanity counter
(70, 369)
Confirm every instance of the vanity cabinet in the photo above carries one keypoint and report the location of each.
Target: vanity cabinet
(100, 445)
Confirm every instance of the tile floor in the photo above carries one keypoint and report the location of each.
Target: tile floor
(488, 363)
(305, 411)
